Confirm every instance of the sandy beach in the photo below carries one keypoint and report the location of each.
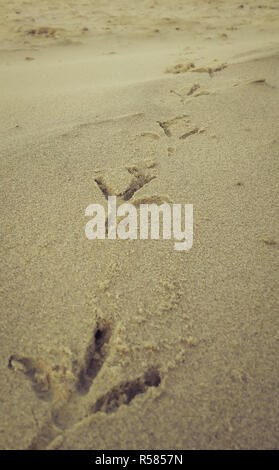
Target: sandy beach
(129, 344)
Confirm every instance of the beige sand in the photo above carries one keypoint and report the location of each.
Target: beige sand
(129, 344)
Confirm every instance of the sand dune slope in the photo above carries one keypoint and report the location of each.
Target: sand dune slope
(129, 344)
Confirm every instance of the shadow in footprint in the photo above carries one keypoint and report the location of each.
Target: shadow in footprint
(94, 358)
(124, 393)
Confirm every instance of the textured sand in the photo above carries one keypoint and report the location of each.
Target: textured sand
(129, 344)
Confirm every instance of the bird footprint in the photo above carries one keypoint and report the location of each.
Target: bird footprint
(67, 383)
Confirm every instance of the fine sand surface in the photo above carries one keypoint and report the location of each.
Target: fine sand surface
(130, 344)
